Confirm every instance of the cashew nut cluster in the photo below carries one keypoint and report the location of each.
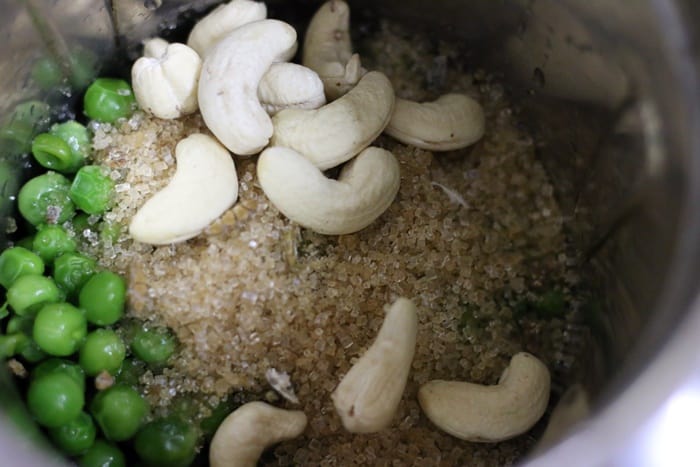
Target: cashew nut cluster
(249, 430)
(453, 121)
(290, 86)
(336, 132)
(328, 49)
(165, 79)
(228, 86)
(479, 413)
(221, 21)
(366, 187)
(204, 186)
(369, 394)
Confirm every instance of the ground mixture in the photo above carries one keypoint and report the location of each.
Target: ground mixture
(469, 234)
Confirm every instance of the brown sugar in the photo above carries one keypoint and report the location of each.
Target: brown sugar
(256, 292)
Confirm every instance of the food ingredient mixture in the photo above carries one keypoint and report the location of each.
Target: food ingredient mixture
(472, 234)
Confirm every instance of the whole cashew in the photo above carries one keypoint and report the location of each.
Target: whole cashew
(328, 49)
(364, 190)
(453, 121)
(205, 185)
(334, 133)
(228, 97)
(221, 21)
(369, 394)
(249, 430)
(290, 86)
(490, 413)
(166, 85)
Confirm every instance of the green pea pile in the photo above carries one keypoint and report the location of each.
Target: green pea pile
(63, 315)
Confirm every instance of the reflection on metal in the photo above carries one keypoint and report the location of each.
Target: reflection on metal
(573, 406)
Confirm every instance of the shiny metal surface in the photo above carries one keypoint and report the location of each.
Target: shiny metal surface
(610, 91)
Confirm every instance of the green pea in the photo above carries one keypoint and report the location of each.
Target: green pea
(76, 436)
(167, 442)
(550, 304)
(80, 223)
(46, 199)
(59, 329)
(153, 345)
(16, 262)
(30, 293)
(52, 241)
(76, 135)
(10, 343)
(60, 365)
(26, 242)
(72, 270)
(103, 297)
(26, 120)
(23, 324)
(31, 352)
(46, 73)
(103, 454)
(119, 411)
(108, 100)
(55, 399)
(103, 350)
(92, 189)
(54, 153)
(130, 372)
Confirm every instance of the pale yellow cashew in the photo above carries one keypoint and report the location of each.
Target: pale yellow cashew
(366, 187)
(328, 50)
(228, 85)
(336, 132)
(452, 121)
(249, 430)
(369, 394)
(204, 186)
(490, 413)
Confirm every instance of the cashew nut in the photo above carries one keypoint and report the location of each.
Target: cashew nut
(249, 430)
(334, 133)
(453, 121)
(154, 47)
(328, 49)
(223, 20)
(290, 86)
(490, 413)
(365, 188)
(369, 394)
(166, 85)
(228, 97)
(205, 185)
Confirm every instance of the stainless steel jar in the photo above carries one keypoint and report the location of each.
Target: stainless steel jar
(611, 91)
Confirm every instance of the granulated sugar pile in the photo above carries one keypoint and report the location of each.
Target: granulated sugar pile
(256, 292)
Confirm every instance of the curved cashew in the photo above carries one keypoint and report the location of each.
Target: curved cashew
(334, 133)
(369, 394)
(166, 85)
(228, 85)
(249, 430)
(290, 86)
(453, 121)
(223, 20)
(364, 190)
(205, 185)
(154, 47)
(490, 413)
(328, 49)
